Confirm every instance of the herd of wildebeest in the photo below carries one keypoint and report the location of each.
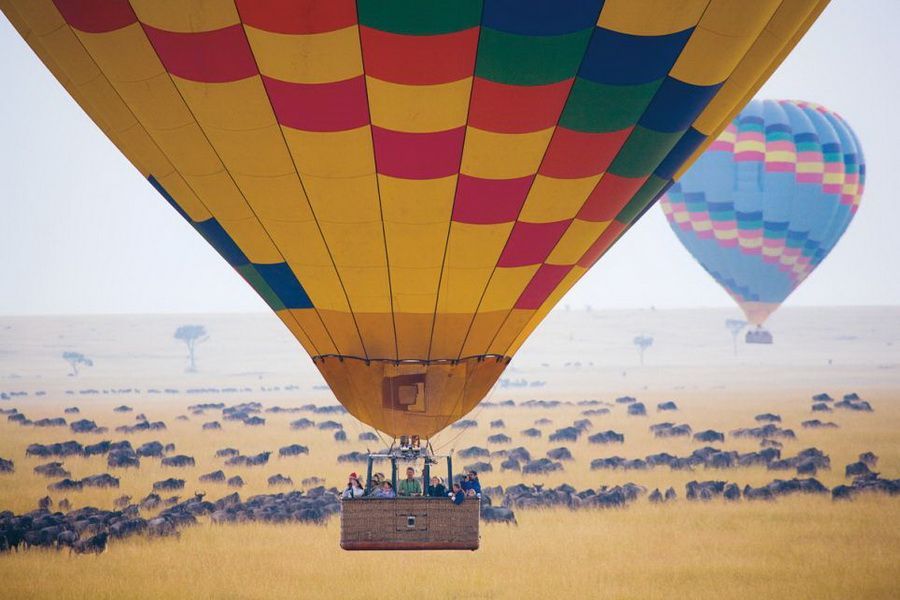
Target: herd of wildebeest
(162, 513)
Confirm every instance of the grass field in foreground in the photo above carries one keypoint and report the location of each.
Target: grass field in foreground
(800, 548)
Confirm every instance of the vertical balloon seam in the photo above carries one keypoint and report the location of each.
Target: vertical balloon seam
(306, 194)
(437, 295)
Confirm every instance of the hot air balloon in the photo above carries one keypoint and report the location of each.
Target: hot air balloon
(411, 186)
(768, 201)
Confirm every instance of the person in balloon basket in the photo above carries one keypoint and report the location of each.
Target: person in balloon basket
(377, 481)
(457, 495)
(470, 485)
(354, 488)
(385, 491)
(409, 486)
(437, 488)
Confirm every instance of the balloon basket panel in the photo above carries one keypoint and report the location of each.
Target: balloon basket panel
(419, 523)
(758, 336)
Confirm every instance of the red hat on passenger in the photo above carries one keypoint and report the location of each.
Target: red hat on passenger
(353, 475)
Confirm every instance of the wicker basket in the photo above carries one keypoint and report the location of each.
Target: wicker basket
(417, 523)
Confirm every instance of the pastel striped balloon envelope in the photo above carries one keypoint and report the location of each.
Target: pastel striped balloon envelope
(769, 199)
(411, 185)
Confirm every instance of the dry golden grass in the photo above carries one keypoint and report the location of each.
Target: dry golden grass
(797, 547)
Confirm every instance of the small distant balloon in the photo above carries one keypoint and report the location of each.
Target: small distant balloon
(769, 200)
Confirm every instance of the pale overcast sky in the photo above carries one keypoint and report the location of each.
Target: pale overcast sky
(82, 232)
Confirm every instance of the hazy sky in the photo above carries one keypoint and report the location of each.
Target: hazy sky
(81, 231)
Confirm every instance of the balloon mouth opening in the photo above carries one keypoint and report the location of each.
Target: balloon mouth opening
(410, 396)
(414, 361)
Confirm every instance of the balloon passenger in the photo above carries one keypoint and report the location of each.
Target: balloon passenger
(409, 486)
(458, 495)
(471, 484)
(354, 488)
(385, 491)
(377, 480)
(437, 488)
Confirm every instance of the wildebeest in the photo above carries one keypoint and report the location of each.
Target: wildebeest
(293, 450)
(215, 476)
(869, 458)
(7, 466)
(856, 469)
(499, 438)
(122, 501)
(227, 452)
(637, 409)
(709, 435)
(180, 460)
(122, 459)
(662, 406)
(465, 424)
(86, 426)
(498, 424)
(607, 437)
(562, 453)
(235, 481)
(59, 449)
(326, 425)
(249, 461)
(150, 502)
(170, 484)
(367, 436)
(103, 480)
(150, 449)
(473, 452)
(340, 435)
(768, 418)
(510, 464)
(667, 429)
(565, 434)
(498, 514)
(542, 465)
(817, 424)
(531, 432)
(303, 423)
(212, 425)
(123, 409)
(279, 479)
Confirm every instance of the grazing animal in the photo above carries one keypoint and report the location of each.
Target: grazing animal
(95, 544)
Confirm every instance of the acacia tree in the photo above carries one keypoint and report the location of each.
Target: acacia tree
(75, 359)
(642, 342)
(735, 326)
(191, 335)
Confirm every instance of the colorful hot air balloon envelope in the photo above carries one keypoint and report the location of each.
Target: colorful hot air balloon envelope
(769, 199)
(411, 185)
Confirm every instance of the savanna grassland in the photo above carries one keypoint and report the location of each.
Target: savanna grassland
(797, 547)
(793, 547)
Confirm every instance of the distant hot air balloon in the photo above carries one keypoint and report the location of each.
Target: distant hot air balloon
(767, 202)
(411, 185)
